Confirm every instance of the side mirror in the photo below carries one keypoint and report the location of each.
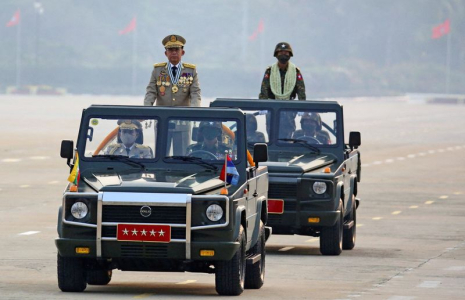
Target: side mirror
(355, 139)
(260, 153)
(67, 150)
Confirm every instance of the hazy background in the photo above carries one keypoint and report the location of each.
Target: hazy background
(343, 47)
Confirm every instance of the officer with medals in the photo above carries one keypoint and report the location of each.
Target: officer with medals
(174, 83)
(209, 141)
(283, 81)
(130, 139)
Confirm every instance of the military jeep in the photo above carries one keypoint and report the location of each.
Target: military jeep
(314, 175)
(145, 194)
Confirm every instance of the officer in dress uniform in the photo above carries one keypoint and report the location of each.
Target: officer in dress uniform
(130, 139)
(283, 81)
(174, 83)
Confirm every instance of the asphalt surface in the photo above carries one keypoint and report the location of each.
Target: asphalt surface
(410, 233)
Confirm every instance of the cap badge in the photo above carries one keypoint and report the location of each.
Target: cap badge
(173, 38)
(283, 46)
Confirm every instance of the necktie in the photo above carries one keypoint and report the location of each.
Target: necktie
(128, 150)
(174, 70)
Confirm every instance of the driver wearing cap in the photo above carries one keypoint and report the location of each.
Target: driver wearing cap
(130, 141)
(209, 139)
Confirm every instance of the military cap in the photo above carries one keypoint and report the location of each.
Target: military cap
(173, 41)
(315, 117)
(283, 46)
(129, 124)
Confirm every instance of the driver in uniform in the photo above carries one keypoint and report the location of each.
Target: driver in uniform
(209, 139)
(130, 131)
(312, 127)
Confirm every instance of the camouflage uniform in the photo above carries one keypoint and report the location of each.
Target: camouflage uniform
(299, 88)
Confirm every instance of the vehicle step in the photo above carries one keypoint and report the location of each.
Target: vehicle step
(254, 259)
(349, 225)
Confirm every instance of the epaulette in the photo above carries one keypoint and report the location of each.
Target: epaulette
(269, 68)
(141, 146)
(160, 64)
(186, 65)
(297, 68)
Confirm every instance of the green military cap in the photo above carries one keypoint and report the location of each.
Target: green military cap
(312, 116)
(129, 124)
(283, 46)
(173, 41)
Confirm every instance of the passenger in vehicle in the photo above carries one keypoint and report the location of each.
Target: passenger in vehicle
(129, 141)
(252, 134)
(209, 139)
(312, 130)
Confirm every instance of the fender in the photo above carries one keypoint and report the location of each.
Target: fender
(338, 195)
(260, 201)
(349, 204)
(60, 222)
(238, 219)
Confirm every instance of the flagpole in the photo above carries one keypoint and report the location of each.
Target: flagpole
(448, 62)
(134, 60)
(18, 55)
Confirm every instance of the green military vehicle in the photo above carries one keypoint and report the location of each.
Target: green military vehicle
(148, 192)
(314, 175)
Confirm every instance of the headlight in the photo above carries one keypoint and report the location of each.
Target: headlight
(214, 212)
(79, 210)
(319, 187)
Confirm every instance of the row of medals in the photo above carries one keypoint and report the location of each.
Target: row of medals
(183, 81)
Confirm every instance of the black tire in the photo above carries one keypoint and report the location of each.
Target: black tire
(349, 235)
(331, 237)
(230, 275)
(71, 274)
(255, 274)
(98, 277)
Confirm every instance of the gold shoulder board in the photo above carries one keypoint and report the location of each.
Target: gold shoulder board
(141, 146)
(186, 65)
(160, 64)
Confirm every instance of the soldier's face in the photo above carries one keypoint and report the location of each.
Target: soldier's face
(174, 55)
(128, 136)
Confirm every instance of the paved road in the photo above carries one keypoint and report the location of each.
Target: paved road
(411, 233)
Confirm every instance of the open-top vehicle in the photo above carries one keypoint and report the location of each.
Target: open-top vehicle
(314, 174)
(150, 191)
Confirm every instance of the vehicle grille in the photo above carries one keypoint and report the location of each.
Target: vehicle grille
(176, 232)
(282, 191)
(131, 214)
(275, 219)
(148, 251)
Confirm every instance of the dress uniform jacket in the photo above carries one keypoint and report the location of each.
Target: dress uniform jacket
(159, 90)
(136, 151)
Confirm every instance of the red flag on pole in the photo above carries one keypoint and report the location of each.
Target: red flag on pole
(260, 28)
(441, 29)
(14, 20)
(131, 27)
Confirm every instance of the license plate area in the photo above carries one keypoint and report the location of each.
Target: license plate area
(143, 233)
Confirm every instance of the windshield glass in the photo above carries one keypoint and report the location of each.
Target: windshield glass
(257, 122)
(316, 128)
(121, 137)
(207, 139)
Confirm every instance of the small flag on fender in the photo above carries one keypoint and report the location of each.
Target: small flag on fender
(229, 172)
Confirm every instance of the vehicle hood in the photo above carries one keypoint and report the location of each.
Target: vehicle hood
(159, 182)
(300, 164)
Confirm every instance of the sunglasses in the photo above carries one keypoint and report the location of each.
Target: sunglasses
(129, 131)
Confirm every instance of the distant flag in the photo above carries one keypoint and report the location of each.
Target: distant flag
(75, 173)
(14, 20)
(229, 172)
(131, 27)
(441, 29)
(260, 28)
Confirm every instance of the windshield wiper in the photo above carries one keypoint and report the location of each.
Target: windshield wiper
(124, 159)
(302, 142)
(196, 160)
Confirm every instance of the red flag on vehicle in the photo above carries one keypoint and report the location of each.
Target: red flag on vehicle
(441, 29)
(260, 28)
(131, 27)
(14, 20)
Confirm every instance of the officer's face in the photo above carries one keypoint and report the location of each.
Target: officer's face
(174, 55)
(128, 136)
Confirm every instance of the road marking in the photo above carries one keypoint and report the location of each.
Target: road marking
(388, 161)
(286, 249)
(458, 193)
(450, 149)
(396, 212)
(365, 165)
(11, 160)
(429, 284)
(456, 268)
(422, 153)
(441, 150)
(142, 296)
(432, 151)
(458, 147)
(401, 158)
(24, 186)
(377, 218)
(28, 233)
(401, 298)
(429, 202)
(378, 162)
(312, 240)
(186, 282)
(411, 156)
(359, 225)
(53, 182)
(39, 157)
(443, 197)
(414, 206)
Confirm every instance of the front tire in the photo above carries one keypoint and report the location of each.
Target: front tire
(71, 274)
(230, 275)
(331, 237)
(255, 274)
